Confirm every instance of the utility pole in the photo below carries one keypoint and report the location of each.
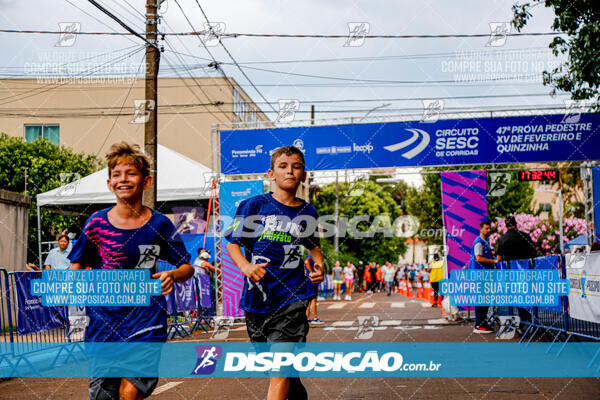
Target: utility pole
(336, 213)
(151, 97)
(312, 114)
(26, 178)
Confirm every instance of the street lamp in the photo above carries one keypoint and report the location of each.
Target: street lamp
(560, 214)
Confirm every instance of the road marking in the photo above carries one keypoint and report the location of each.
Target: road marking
(408, 328)
(352, 328)
(342, 323)
(398, 305)
(336, 306)
(391, 322)
(165, 387)
(437, 321)
(431, 327)
(367, 305)
(425, 305)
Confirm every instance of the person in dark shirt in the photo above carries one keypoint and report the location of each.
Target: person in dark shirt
(360, 270)
(516, 245)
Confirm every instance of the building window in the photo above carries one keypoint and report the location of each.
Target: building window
(50, 132)
(545, 207)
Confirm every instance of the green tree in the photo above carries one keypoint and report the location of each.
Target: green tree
(425, 203)
(362, 198)
(45, 164)
(517, 198)
(580, 21)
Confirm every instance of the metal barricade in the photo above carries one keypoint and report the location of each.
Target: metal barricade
(184, 323)
(26, 343)
(6, 324)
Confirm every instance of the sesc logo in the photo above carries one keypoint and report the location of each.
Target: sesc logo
(413, 139)
(207, 359)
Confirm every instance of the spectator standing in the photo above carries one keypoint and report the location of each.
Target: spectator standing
(57, 257)
(436, 274)
(360, 272)
(349, 272)
(388, 276)
(516, 245)
(482, 258)
(336, 277)
(312, 305)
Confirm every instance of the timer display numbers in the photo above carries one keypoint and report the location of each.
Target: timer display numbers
(538, 175)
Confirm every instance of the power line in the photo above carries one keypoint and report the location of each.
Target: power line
(45, 88)
(518, 77)
(121, 110)
(283, 35)
(187, 69)
(118, 21)
(127, 35)
(437, 36)
(360, 111)
(453, 84)
(394, 57)
(216, 64)
(302, 101)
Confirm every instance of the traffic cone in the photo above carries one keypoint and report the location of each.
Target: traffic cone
(427, 291)
(419, 291)
(409, 290)
(402, 288)
(431, 296)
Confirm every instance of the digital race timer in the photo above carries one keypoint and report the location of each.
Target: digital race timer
(538, 175)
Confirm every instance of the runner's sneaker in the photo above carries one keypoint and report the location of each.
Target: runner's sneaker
(481, 329)
(317, 321)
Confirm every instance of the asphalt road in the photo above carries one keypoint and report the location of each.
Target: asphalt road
(400, 320)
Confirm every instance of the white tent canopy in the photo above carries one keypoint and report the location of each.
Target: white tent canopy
(179, 178)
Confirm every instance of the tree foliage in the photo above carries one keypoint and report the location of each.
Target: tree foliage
(369, 198)
(425, 203)
(45, 164)
(580, 21)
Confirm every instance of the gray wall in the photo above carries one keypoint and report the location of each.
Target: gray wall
(14, 218)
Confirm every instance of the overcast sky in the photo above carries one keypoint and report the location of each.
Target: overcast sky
(442, 59)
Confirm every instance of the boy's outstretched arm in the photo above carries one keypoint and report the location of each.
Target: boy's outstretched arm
(254, 272)
(316, 254)
(168, 278)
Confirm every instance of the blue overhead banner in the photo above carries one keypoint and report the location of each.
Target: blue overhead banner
(563, 137)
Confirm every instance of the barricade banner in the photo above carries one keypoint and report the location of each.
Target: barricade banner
(78, 319)
(205, 292)
(32, 317)
(596, 197)
(548, 263)
(583, 273)
(327, 284)
(231, 195)
(184, 296)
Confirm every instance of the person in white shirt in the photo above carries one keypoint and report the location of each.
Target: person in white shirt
(349, 272)
(201, 265)
(57, 257)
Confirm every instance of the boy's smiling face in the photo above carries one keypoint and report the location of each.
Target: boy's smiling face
(127, 182)
(288, 172)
